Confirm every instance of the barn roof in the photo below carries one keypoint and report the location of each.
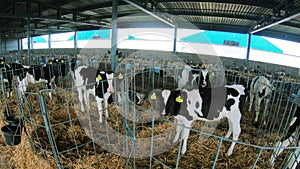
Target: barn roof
(272, 18)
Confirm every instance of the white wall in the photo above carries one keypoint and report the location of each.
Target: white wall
(9, 45)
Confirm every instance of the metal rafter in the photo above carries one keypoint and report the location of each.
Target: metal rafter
(244, 2)
(233, 14)
(148, 11)
(266, 25)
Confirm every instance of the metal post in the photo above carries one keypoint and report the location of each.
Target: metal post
(1, 44)
(19, 44)
(28, 41)
(175, 39)
(5, 45)
(248, 49)
(44, 111)
(49, 43)
(114, 36)
(75, 43)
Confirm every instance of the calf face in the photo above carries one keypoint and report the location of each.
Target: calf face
(104, 83)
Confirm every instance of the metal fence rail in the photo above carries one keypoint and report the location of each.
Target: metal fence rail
(134, 136)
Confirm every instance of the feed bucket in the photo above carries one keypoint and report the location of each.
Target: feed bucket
(13, 121)
(12, 134)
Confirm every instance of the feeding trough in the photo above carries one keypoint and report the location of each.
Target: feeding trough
(12, 132)
(13, 121)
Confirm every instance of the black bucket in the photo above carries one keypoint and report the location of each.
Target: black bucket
(12, 134)
(13, 121)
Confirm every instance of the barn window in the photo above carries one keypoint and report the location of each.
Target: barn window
(231, 43)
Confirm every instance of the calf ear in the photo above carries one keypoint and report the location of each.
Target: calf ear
(2, 61)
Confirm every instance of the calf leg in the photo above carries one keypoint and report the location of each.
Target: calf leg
(236, 129)
(79, 91)
(251, 95)
(185, 136)
(294, 159)
(178, 131)
(257, 108)
(278, 151)
(106, 96)
(265, 113)
(49, 87)
(229, 132)
(99, 104)
(86, 99)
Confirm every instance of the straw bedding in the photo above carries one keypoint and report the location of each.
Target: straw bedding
(68, 132)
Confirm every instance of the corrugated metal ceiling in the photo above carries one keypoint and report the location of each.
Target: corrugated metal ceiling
(226, 15)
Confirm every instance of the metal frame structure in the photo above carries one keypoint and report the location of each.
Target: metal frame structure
(274, 18)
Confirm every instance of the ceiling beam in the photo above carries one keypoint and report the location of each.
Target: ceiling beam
(280, 35)
(221, 27)
(262, 4)
(269, 25)
(233, 14)
(97, 6)
(138, 5)
(5, 15)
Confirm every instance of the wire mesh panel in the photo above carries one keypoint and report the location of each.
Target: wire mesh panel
(136, 136)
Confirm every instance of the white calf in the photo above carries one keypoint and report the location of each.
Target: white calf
(260, 89)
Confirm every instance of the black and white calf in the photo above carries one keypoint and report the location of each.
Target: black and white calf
(260, 89)
(89, 80)
(190, 76)
(291, 137)
(186, 106)
(9, 71)
(26, 75)
(34, 75)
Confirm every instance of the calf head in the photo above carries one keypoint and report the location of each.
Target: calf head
(203, 78)
(105, 79)
(185, 77)
(190, 78)
(166, 102)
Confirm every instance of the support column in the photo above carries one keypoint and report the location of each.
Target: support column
(248, 49)
(49, 44)
(5, 43)
(28, 41)
(19, 44)
(0, 43)
(75, 44)
(114, 36)
(175, 40)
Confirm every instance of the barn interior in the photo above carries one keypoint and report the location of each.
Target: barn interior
(52, 132)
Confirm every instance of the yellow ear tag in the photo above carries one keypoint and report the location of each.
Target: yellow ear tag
(179, 99)
(120, 76)
(213, 74)
(50, 63)
(62, 61)
(153, 96)
(2, 63)
(99, 77)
